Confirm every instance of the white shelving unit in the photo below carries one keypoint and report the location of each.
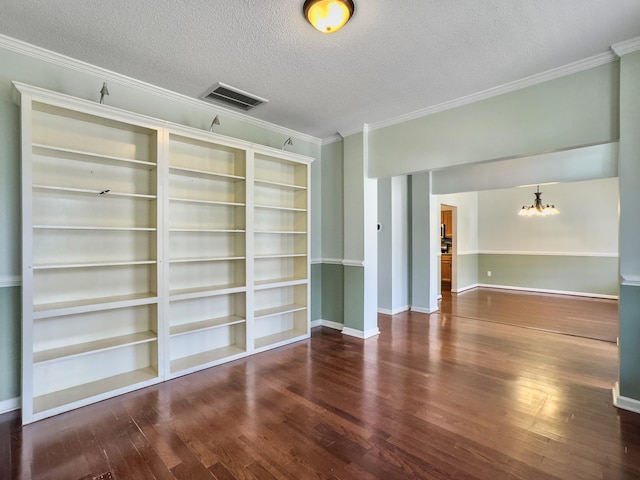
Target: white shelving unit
(150, 250)
(207, 252)
(281, 246)
(91, 267)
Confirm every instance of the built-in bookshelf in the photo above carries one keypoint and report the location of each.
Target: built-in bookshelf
(90, 256)
(150, 250)
(207, 252)
(281, 247)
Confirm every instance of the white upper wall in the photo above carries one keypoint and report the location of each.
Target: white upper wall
(466, 220)
(587, 224)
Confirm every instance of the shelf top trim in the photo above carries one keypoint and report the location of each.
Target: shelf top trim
(92, 108)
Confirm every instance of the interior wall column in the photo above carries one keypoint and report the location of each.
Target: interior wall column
(360, 241)
(627, 394)
(425, 232)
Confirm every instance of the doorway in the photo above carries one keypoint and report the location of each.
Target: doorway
(448, 240)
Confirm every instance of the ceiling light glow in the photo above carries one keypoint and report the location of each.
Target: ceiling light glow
(328, 16)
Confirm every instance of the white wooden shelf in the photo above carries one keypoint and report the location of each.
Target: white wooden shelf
(205, 173)
(92, 347)
(269, 312)
(206, 202)
(86, 392)
(205, 259)
(279, 184)
(276, 339)
(280, 282)
(89, 156)
(102, 193)
(188, 293)
(206, 230)
(288, 209)
(87, 227)
(281, 255)
(205, 358)
(93, 265)
(281, 232)
(206, 325)
(92, 304)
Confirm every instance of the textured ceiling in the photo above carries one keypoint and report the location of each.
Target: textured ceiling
(383, 64)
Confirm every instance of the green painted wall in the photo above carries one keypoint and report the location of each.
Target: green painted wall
(467, 270)
(571, 111)
(316, 292)
(9, 188)
(589, 275)
(629, 168)
(354, 298)
(333, 277)
(332, 225)
(353, 188)
(628, 341)
(10, 343)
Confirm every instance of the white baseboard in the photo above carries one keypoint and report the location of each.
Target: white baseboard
(464, 289)
(544, 290)
(9, 405)
(625, 403)
(395, 311)
(352, 332)
(327, 323)
(423, 310)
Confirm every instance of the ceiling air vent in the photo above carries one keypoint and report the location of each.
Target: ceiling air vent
(233, 97)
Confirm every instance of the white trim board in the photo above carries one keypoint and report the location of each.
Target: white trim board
(544, 290)
(9, 405)
(10, 281)
(54, 58)
(394, 311)
(352, 332)
(628, 46)
(630, 280)
(327, 323)
(423, 310)
(353, 263)
(549, 254)
(464, 289)
(625, 403)
(330, 261)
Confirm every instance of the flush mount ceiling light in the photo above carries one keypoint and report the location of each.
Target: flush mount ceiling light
(328, 16)
(538, 209)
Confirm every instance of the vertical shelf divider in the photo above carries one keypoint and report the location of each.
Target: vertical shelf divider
(250, 247)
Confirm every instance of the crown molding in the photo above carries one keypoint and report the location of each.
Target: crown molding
(353, 131)
(332, 139)
(532, 80)
(60, 60)
(628, 46)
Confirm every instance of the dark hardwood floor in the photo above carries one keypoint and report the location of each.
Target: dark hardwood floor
(570, 315)
(434, 397)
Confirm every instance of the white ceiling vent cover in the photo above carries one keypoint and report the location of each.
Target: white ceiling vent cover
(234, 97)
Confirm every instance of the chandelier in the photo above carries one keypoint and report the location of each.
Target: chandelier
(538, 209)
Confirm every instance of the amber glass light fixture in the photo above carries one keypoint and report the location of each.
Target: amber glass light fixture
(538, 209)
(328, 16)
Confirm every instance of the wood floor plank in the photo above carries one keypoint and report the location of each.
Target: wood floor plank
(481, 390)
